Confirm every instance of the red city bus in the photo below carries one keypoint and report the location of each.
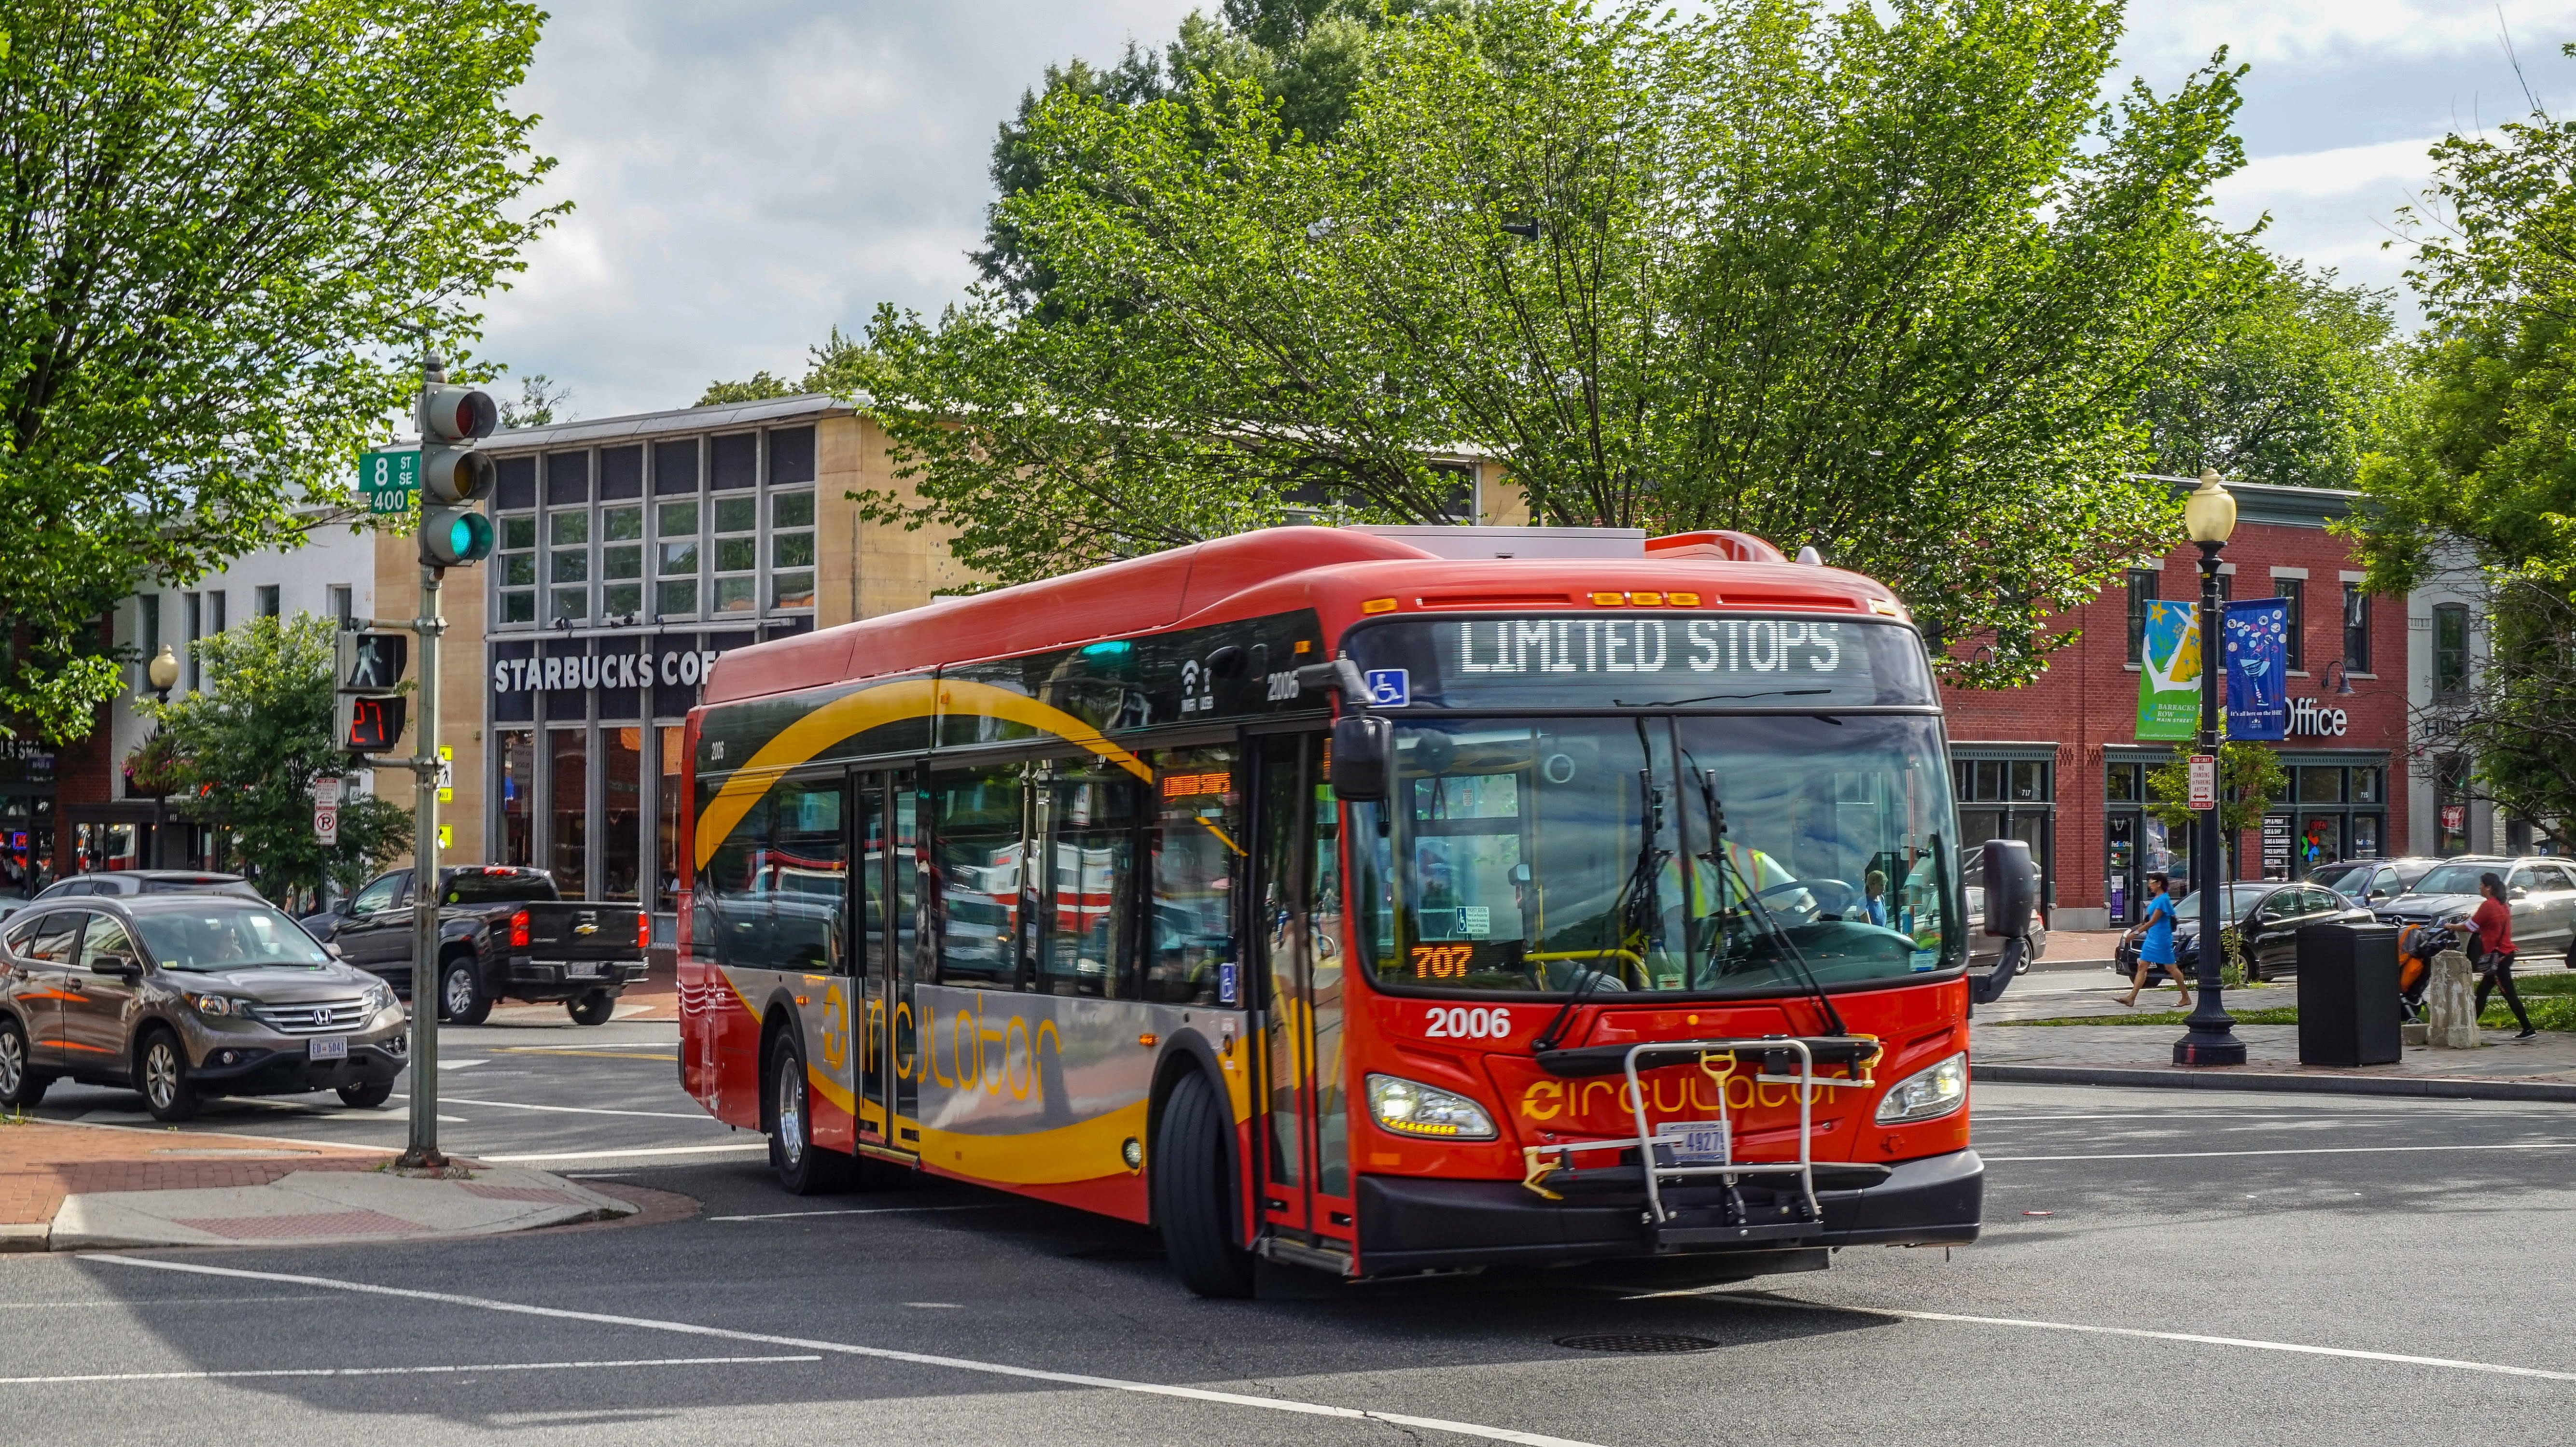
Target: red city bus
(1375, 901)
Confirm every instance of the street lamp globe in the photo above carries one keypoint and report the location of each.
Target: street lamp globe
(2208, 511)
(163, 670)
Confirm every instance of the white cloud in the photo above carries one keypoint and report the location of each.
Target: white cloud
(2276, 31)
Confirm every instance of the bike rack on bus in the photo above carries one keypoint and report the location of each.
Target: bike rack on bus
(1718, 1058)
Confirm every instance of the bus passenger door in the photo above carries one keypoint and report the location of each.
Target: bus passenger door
(1305, 1176)
(889, 835)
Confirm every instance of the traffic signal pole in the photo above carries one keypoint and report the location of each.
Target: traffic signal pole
(427, 988)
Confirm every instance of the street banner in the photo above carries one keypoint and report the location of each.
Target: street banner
(2258, 669)
(2169, 673)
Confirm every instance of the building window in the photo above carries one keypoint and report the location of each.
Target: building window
(2142, 591)
(267, 600)
(344, 608)
(147, 625)
(2451, 792)
(2450, 650)
(193, 607)
(2356, 629)
(675, 590)
(517, 567)
(621, 559)
(737, 546)
(791, 549)
(2294, 591)
(568, 564)
(216, 622)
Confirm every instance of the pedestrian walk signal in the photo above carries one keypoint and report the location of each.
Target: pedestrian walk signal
(368, 725)
(369, 662)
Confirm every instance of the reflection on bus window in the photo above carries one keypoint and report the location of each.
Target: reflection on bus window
(1198, 857)
(976, 835)
(806, 874)
(1091, 879)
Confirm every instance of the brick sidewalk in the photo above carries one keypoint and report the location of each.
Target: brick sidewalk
(41, 1162)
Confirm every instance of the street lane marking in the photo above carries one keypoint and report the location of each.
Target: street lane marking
(964, 1364)
(2295, 1348)
(573, 1109)
(2295, 1151)
(392, 1371)
(173, 1301)
(733, 1146)
(859, 1211)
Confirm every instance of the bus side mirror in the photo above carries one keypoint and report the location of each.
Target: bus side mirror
(1363, 747)
(2012, 888)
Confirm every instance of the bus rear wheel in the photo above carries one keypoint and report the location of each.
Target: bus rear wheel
(803, 1167)
(1194, 1194)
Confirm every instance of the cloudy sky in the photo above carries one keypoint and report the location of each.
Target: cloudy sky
(750, 174)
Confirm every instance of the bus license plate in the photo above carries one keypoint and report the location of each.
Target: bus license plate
(327, 1047)
(1693, 1142)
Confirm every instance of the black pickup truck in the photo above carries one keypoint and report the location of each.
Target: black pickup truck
(503, 933)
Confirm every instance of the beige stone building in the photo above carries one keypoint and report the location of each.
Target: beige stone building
(630, 552)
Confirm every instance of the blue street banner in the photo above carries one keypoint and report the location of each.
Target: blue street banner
(2258, 669)
(2169, 672)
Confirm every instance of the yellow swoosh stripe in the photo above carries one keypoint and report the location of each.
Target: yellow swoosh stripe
(1084, 1151)
(856, 713)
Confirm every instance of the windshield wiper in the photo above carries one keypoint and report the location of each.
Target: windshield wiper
(1726, 866)
(1637, 904)
(1719, 698)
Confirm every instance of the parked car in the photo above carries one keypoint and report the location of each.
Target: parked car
(2540, 891)
(188, 996)
(2373, 881)
(126, 883)
(2270, 916)
(503, 933)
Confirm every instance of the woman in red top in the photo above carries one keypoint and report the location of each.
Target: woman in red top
(2493, 921)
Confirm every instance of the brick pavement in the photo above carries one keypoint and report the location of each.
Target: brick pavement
(41, 1162)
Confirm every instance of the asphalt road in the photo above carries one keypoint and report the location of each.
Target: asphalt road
(2221, 1268)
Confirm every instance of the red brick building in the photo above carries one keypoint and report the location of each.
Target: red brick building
(2058, 763)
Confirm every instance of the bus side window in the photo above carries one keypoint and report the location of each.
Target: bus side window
(809, 873)
(1090, 881)
(1198, 865)
(732, 889)
(976, 851)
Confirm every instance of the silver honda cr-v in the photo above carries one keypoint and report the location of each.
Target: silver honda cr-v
(184, 996)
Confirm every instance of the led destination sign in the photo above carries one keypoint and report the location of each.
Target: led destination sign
(1619, 662)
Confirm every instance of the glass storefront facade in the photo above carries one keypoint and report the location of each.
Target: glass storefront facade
(622, 572)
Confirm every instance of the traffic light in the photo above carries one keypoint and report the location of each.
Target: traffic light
(367, 713)
(455, 476)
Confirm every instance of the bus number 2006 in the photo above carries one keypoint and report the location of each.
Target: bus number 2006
(1459, 1023)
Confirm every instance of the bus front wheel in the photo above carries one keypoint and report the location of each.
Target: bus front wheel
(1193, 1193)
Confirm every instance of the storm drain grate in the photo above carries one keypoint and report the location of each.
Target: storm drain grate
(1637, 1341)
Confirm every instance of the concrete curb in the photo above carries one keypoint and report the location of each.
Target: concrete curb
(25, 1236)
(2229, 1079)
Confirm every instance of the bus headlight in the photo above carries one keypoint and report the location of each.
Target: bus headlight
(1927, 1094)
(1410, 1108)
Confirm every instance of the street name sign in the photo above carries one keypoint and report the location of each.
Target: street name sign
(390, 477)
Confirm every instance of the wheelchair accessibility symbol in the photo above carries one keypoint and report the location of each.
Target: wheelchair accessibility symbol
(1389, 687)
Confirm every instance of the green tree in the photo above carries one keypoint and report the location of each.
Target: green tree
(759, 387)
(1303, 55)
(542, 402)
(243, 755)
(1888, 279)
(220, 218)
(2480, 473)
(2250, 781)
(2293, 389)
(839, 364)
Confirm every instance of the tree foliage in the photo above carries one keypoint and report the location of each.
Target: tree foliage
(243, 755)
(2292, 390)
(2482, 468)
(1889, 279)
(218, 217)
(2250, 781)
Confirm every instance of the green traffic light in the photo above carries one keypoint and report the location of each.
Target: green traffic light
(454, 538)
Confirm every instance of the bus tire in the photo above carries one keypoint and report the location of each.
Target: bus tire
(803, 1167)
(1194, 1193)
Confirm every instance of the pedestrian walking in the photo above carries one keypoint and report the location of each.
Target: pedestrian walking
(2154, 937)
(2492, 942)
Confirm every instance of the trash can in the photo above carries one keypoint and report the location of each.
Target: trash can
(2348, 1007)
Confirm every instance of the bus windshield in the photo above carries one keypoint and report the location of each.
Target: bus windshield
(1527, 855)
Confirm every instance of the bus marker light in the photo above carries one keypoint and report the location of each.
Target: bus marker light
(1609, 600)
(1647, 600)
(1682, 600)
(1147, 1040)
(1133, 1153)
(1378, 605)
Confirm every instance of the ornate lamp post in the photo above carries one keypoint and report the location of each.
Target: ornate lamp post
(2209, 517)
(163, 672)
